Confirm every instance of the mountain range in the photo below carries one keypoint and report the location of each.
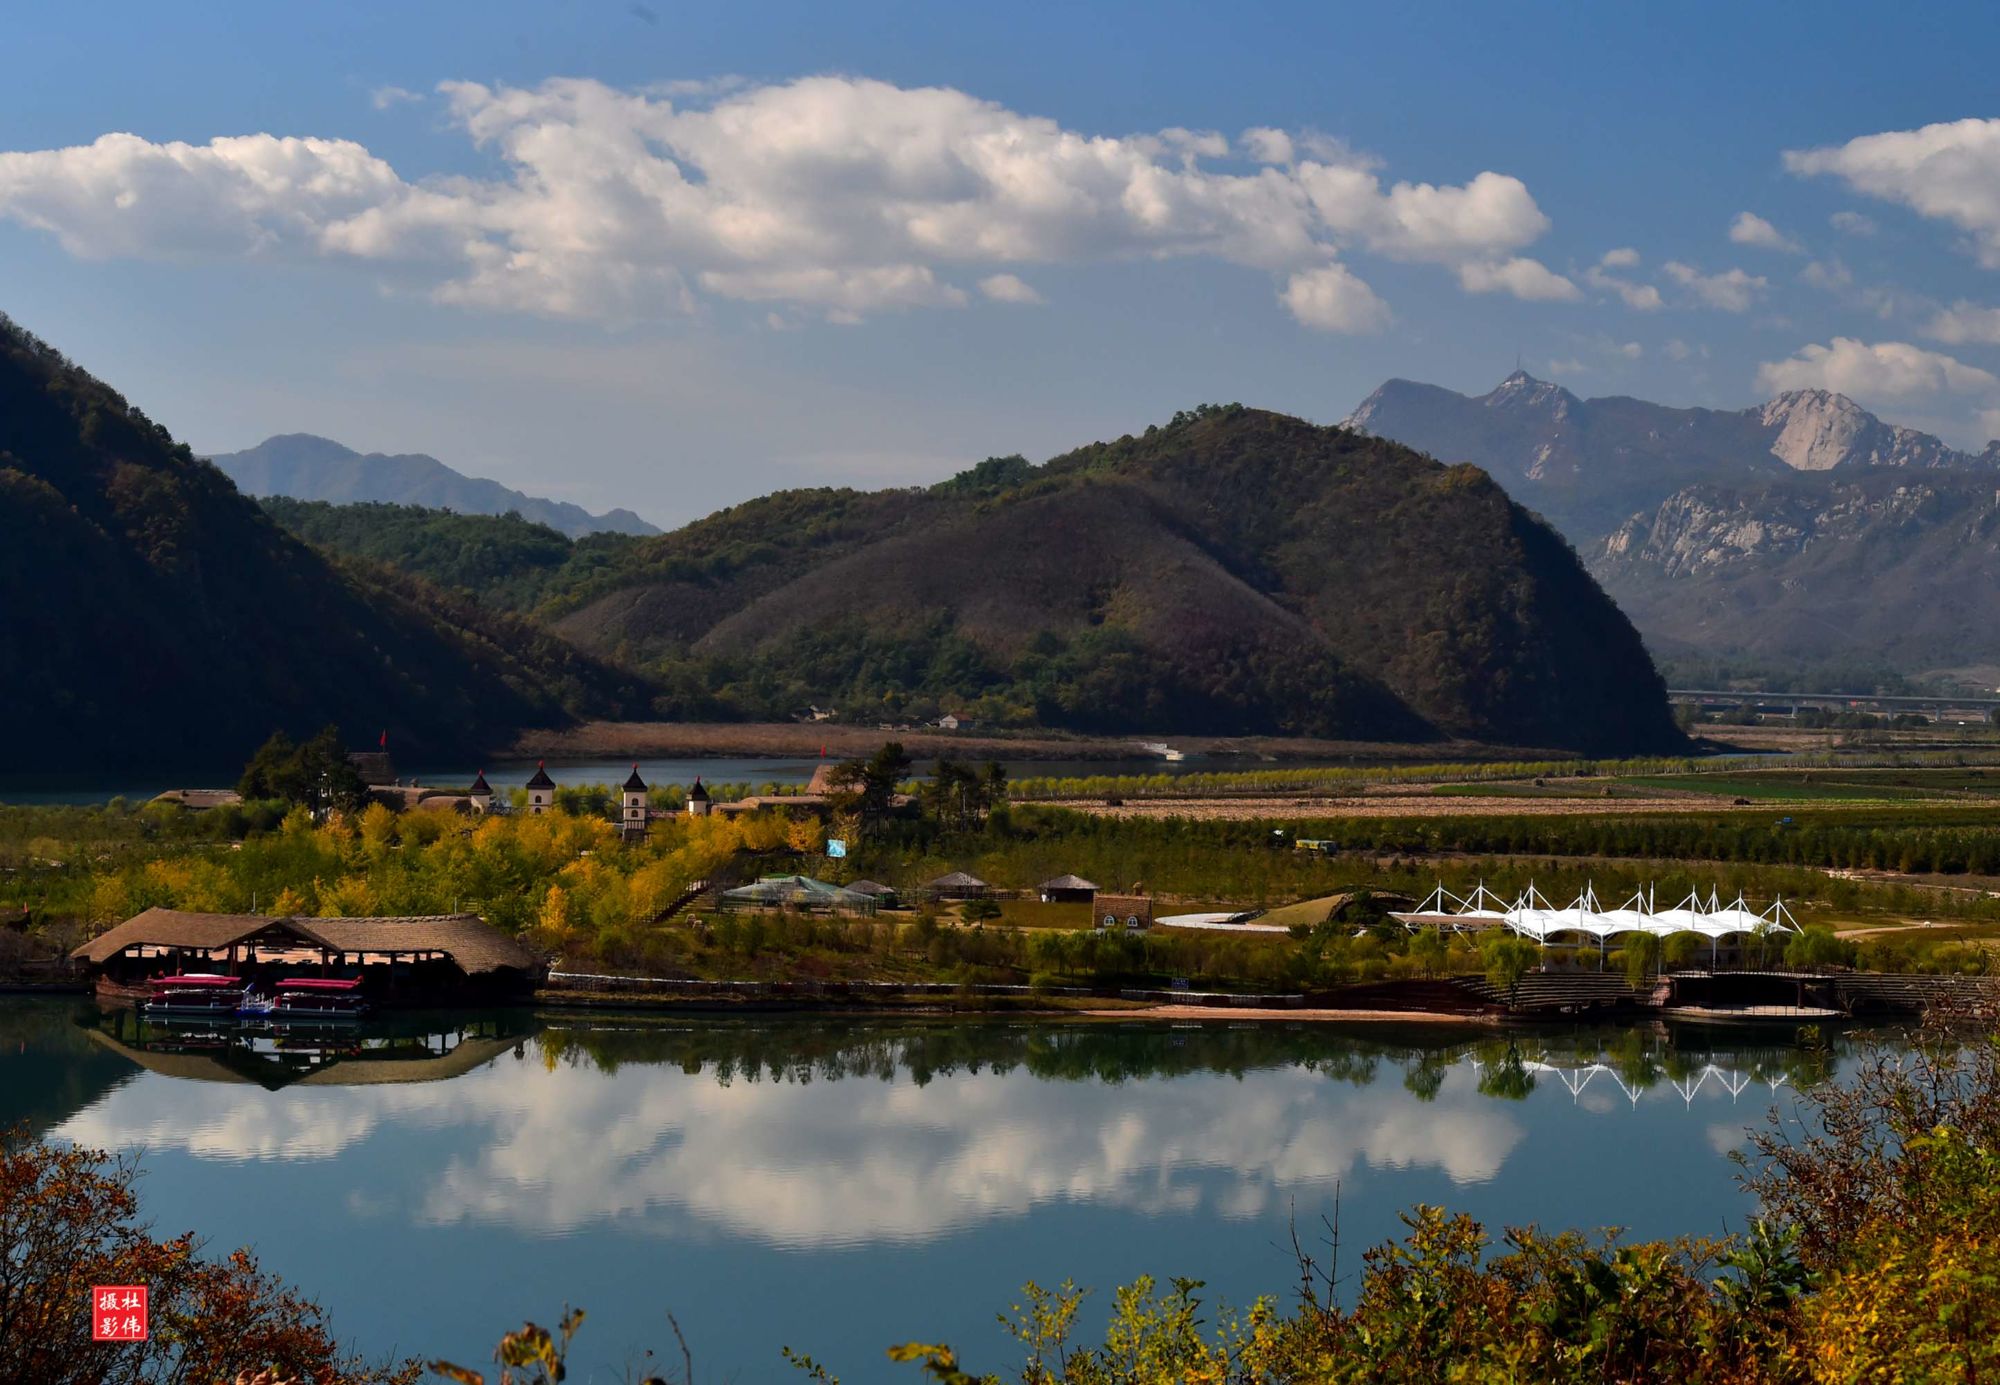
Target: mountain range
(302, 466)
(1804, 530)
(156, 618)
(1588, 465)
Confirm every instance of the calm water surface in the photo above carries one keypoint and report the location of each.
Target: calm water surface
(508, 774)
(842, 1185)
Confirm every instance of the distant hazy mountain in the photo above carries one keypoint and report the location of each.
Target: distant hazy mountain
(305, 467)
(1590, 464)
(1878, 564)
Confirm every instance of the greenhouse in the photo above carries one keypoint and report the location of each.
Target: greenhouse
(798, 892)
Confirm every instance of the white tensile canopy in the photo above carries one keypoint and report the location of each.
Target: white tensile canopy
(1532, 916)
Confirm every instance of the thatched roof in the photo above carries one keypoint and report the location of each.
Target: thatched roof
(1068, 882)
(199, 799)
(873, 887)
(958, 880)
(473, 943)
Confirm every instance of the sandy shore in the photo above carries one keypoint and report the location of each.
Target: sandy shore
(1225, 1012)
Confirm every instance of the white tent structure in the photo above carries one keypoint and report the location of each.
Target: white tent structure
(1443, 909)
(1534, 917)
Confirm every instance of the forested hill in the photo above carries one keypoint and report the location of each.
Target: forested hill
(155, 618)
(1232, 572)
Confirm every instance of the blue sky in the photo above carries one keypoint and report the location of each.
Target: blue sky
(670, 257)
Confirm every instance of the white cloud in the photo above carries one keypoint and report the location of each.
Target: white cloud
(1751, 229)
(1639, 297)
(1268, 146)
(1892, 370)
(1008, 288)
(1965, 322)
(122, 196)
(1677, 350)
(840, 194)
(1524, 278)
(1949, 172)
(382, 98)
(1732, 291)
(1829, 274)
(1852, 224)
(1334, 300)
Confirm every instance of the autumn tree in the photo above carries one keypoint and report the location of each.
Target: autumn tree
(69, 1220)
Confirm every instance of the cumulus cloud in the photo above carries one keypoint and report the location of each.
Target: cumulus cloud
(1524, 278)
(840, 194)
(1268, 146)
(382, 98)
(1852, 224)
(1965, 322)
(1949, 172)
(122, 196)
(1751, 229)
(1008, 288)
(1733, 291)
(1893, 370)
(1333, 300)
(1640, 297)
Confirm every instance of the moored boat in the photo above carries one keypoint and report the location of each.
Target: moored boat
(195, 996)
(317, 998)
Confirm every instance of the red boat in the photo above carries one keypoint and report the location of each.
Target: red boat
(196, 995)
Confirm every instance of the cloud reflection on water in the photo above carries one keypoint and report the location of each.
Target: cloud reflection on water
(821, 1163)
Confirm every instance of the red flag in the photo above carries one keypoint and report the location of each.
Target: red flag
(385, 740)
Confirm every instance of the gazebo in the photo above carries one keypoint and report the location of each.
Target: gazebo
(959, 885)
(1068, 889)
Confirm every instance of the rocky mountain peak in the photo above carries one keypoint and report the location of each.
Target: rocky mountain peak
(1817, 429)
(1524, 392)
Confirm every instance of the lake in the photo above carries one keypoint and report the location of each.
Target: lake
(841, 1185)
(510, 774)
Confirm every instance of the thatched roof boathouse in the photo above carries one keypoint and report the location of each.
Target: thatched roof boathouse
(417, 960)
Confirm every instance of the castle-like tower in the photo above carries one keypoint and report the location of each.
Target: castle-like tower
(633, 807)
(697, 804)
(480, 795)
(541, 789)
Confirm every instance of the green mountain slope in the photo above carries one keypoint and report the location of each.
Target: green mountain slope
(155, 617)
(1234, 572)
